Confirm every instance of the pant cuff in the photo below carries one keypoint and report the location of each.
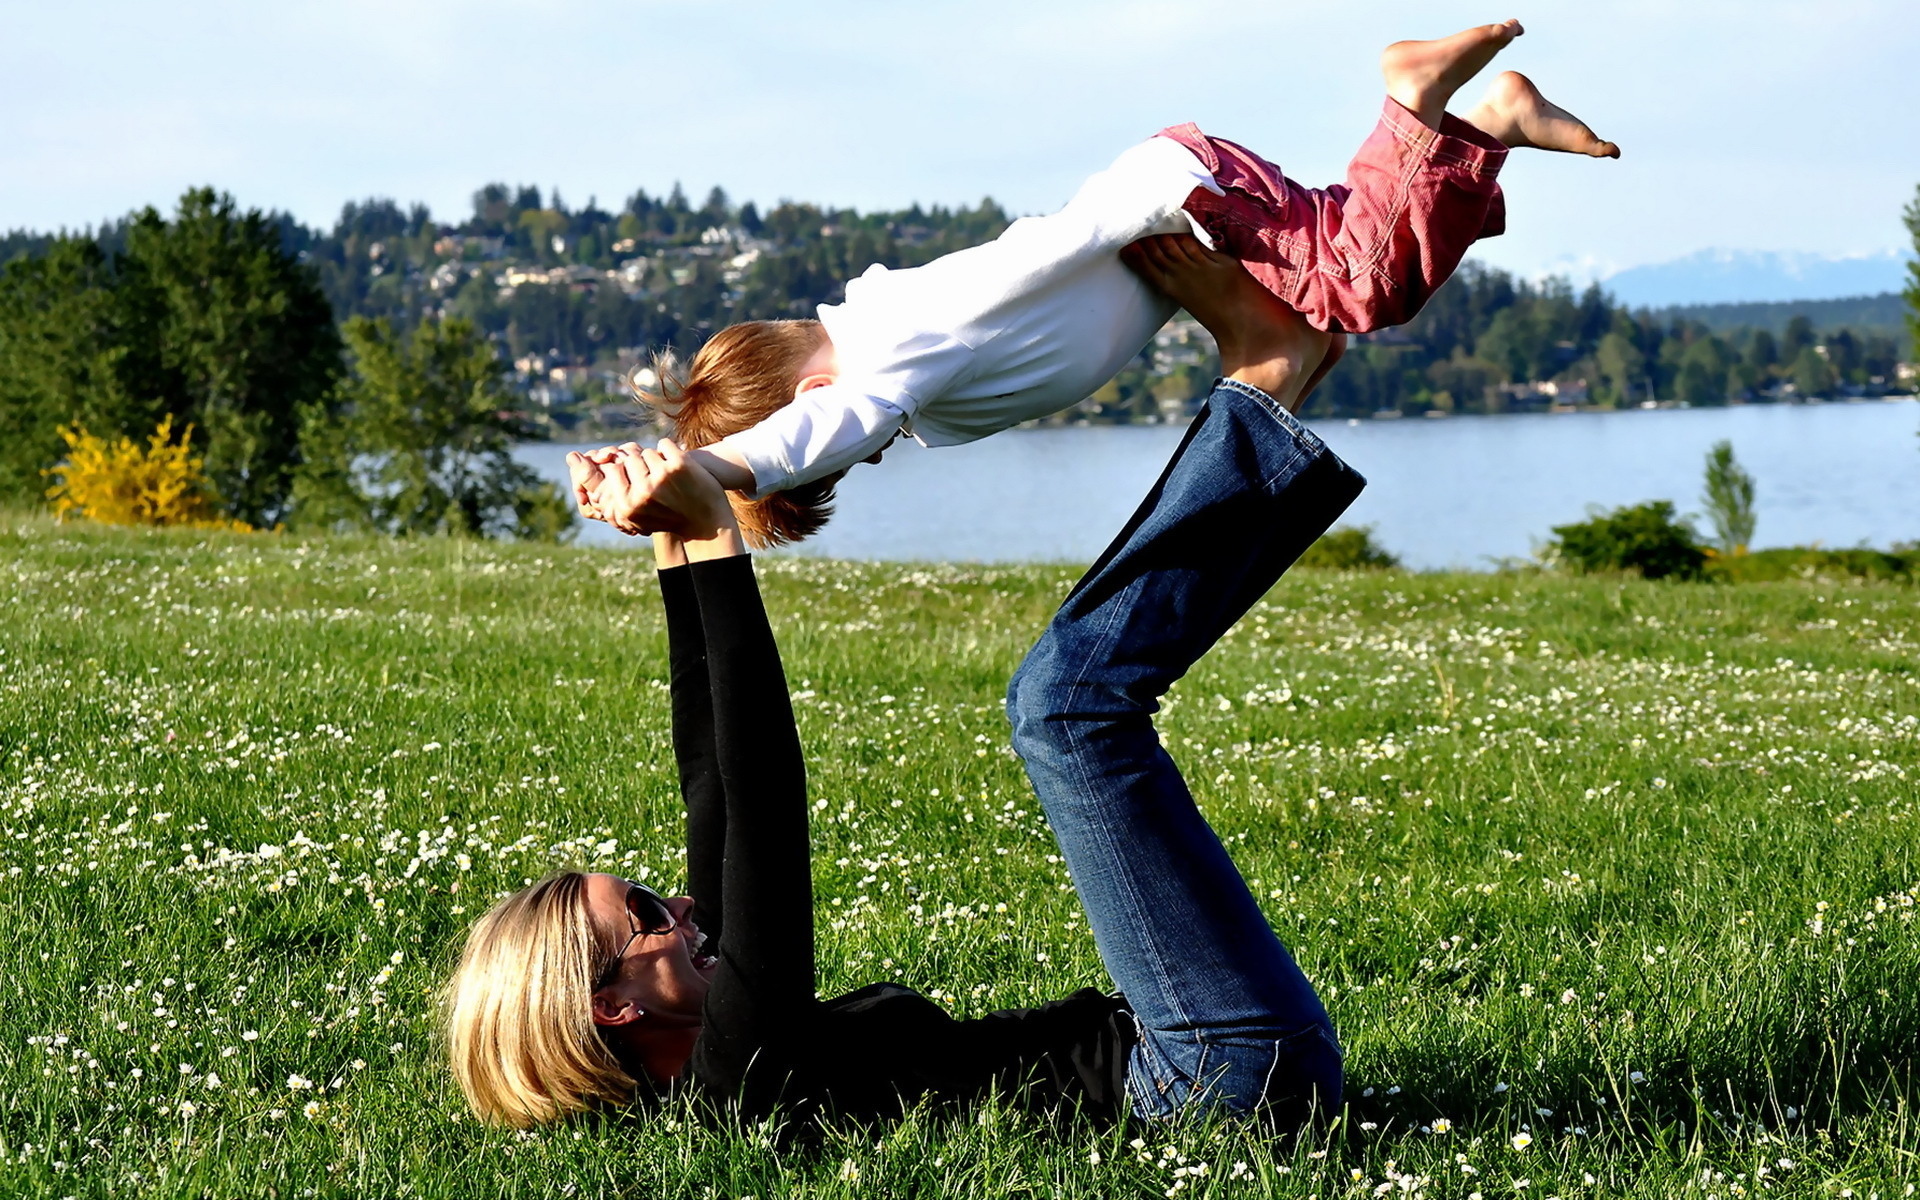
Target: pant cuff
(1455, 144)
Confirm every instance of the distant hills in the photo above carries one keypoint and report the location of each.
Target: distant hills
(1744, 277)
(1883, 314)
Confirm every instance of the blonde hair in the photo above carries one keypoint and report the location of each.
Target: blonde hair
(519, 1010)
(743, 375)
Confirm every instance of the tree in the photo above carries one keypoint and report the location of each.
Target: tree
(422, 443)
(1843, 355)
(62, 361)
(1798, 336)
(1703, 373)
(231, 333)
(1621, 365)
(1811, 374)
(1729, 499)
(1912, 216)
(206, 317)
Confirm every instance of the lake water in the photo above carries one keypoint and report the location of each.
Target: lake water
(1459, 492)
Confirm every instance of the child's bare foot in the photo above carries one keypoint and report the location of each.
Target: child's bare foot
(1262, 342)
(1423, 76)
(1516, 115)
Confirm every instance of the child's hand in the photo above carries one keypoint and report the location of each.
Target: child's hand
(587, 478)
(663, 491)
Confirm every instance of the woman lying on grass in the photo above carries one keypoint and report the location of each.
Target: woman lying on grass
(588, 990)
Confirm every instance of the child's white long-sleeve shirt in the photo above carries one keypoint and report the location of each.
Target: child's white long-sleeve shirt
(982, 339)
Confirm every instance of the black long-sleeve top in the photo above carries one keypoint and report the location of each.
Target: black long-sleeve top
(767, 1041)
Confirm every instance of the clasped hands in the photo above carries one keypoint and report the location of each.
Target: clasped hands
(640, 490)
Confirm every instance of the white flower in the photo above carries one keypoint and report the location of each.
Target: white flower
(1441, 1125)
(299, 1083)
(251, 1035)
(311, 1109)
(1522, 1140)
(1636, 1077)
(1499, 1087)
(187, 1108)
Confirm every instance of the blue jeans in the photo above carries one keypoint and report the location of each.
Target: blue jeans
(1226, 1017)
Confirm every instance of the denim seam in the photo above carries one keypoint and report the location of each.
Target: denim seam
(1307, 443)
(1152, 955)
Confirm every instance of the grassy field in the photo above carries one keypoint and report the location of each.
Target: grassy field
(1610, 886)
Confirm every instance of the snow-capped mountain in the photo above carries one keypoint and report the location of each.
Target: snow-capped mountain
(1733, 276)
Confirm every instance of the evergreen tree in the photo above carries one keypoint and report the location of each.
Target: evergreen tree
(62, 362)
(207, 317)
(1797, 337)
(233, 335)
(1843, 355)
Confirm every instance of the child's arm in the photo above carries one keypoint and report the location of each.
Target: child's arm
(725, 464)
(824, 430)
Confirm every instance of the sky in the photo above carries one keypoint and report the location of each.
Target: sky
(1745, 124)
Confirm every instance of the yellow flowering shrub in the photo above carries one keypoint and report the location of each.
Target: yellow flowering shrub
(122, 482)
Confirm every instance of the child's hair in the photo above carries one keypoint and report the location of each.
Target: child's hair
(744, 374)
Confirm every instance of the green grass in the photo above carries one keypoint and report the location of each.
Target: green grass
(1642, 855)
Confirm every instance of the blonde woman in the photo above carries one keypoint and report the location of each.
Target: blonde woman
(589, 990)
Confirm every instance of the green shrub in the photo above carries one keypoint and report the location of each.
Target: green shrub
(1348, 548)
(1811, 562)
(1647, 538)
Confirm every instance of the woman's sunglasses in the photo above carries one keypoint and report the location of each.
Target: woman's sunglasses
(647, 913)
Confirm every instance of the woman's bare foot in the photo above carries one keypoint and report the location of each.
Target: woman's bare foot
(1262, 342)
(1516, 115)
(1423, 76)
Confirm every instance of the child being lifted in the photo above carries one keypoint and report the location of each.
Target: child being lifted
(1036, 320)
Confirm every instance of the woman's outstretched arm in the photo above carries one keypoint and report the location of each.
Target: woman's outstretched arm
(763, 987)
(700, 787)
